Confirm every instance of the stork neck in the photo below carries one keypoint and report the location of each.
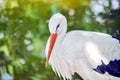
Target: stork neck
(62, 34)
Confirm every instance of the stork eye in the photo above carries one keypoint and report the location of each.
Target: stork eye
(57, 26)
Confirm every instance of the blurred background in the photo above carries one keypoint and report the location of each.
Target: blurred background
(24, 32)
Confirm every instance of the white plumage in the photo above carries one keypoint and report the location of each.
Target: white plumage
(82, 52)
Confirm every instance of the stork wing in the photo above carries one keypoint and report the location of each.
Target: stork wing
(100, 51)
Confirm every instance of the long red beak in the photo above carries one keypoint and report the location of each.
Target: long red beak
(52, 42)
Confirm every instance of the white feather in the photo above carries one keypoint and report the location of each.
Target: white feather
(81, 52)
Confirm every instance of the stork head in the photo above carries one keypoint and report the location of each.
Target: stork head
(57, 25)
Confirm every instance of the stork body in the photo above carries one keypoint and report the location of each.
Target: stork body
(93, 55)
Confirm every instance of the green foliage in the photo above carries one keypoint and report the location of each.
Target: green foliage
(24, 32)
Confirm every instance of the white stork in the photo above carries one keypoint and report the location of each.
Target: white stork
(93, 55)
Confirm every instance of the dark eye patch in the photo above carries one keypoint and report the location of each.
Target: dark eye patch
(57, 26)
